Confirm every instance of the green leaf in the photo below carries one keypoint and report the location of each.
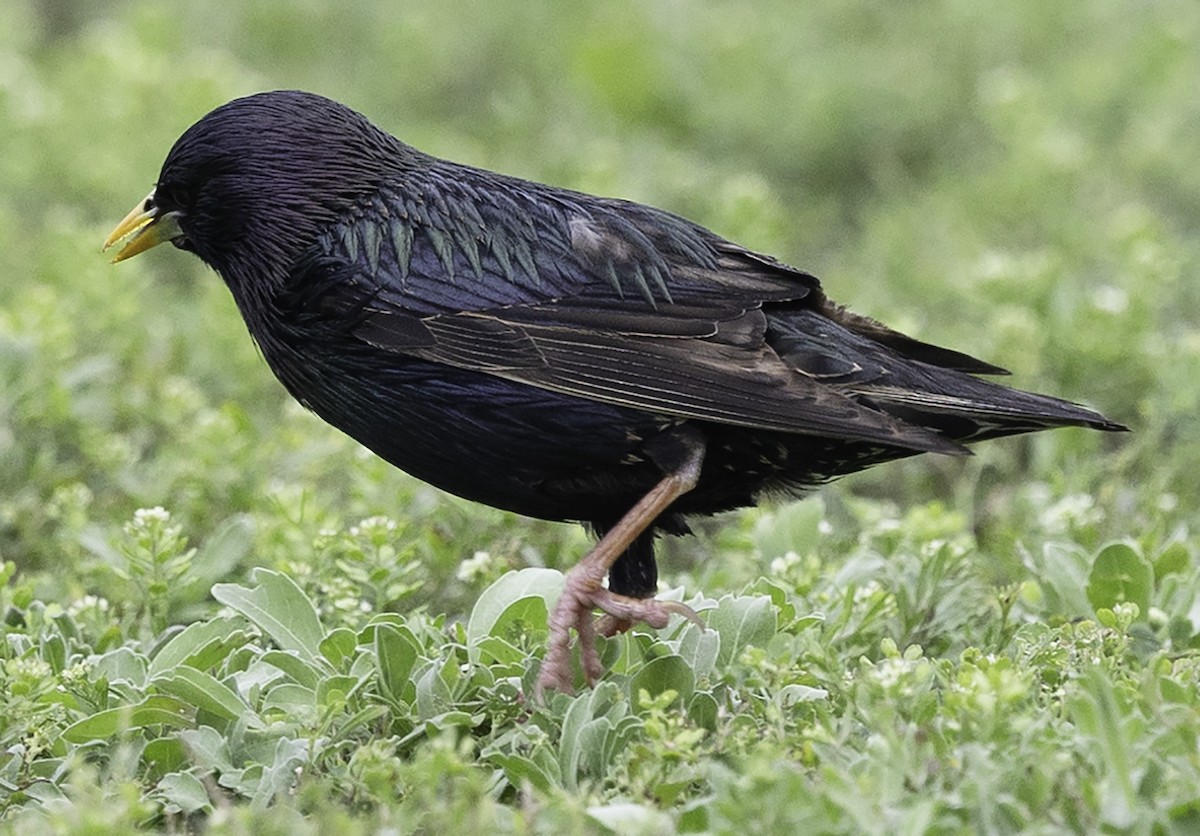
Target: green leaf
(205, 692)
(784, 609)
(46, 793)
(1102, 719)
(1062, 569)
(298, 669)
(183, 793)
(165, 754)
(244, 782)
(396, 652)
(519, 769)
(296, 702)
(339, 646)
(153, 711)
(703, 710)
(279, 608)
(208, 748)
(450, 720)
(666, 673)
(279, 777)
(121, 665)
(195, 643)
(742, 621)
(700, 647)
(434, 695)
(1120, 575)
(336, 689)
(523, 617)
(223, 550)
(506, 591)
(495, 650)
(789, 695)
(1175, 558)
(803, 622)
(594, 729)
(54, 652)
(363, 717)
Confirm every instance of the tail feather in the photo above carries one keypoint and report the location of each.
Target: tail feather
(980, 410)
(942, 396)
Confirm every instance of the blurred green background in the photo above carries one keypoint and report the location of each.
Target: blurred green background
(947, 645)
(1020, 181)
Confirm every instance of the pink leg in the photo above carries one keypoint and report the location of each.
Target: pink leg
(584, 592)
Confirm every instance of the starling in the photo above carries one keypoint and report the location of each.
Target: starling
(552, 353)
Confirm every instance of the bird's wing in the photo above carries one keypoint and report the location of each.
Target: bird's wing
(728, 375)
(600, 299)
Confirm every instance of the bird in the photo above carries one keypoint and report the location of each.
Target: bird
(553, 353)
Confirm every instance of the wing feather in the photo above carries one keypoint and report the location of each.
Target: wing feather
(683, 376)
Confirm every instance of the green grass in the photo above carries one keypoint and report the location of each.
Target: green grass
(306, 640)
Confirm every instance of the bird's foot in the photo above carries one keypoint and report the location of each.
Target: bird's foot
(582, 594)
(640, 610)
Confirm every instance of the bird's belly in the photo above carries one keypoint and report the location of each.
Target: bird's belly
(505, 444)
(542, 453)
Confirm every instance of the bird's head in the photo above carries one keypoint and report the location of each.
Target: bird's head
(250, 186)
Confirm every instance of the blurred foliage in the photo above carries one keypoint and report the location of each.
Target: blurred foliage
(1020, 181)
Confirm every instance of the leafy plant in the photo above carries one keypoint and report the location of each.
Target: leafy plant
(306, 641)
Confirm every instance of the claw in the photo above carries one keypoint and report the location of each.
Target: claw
(574, 610)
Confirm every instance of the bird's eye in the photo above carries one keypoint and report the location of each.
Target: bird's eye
(172, 195)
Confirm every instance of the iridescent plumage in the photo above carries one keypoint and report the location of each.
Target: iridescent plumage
(549, 352)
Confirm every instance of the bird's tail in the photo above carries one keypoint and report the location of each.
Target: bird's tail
(926, 386)
(968, 409)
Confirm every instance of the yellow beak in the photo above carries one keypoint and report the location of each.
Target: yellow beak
(145, 227)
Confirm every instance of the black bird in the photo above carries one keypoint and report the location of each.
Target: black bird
(556, 354)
